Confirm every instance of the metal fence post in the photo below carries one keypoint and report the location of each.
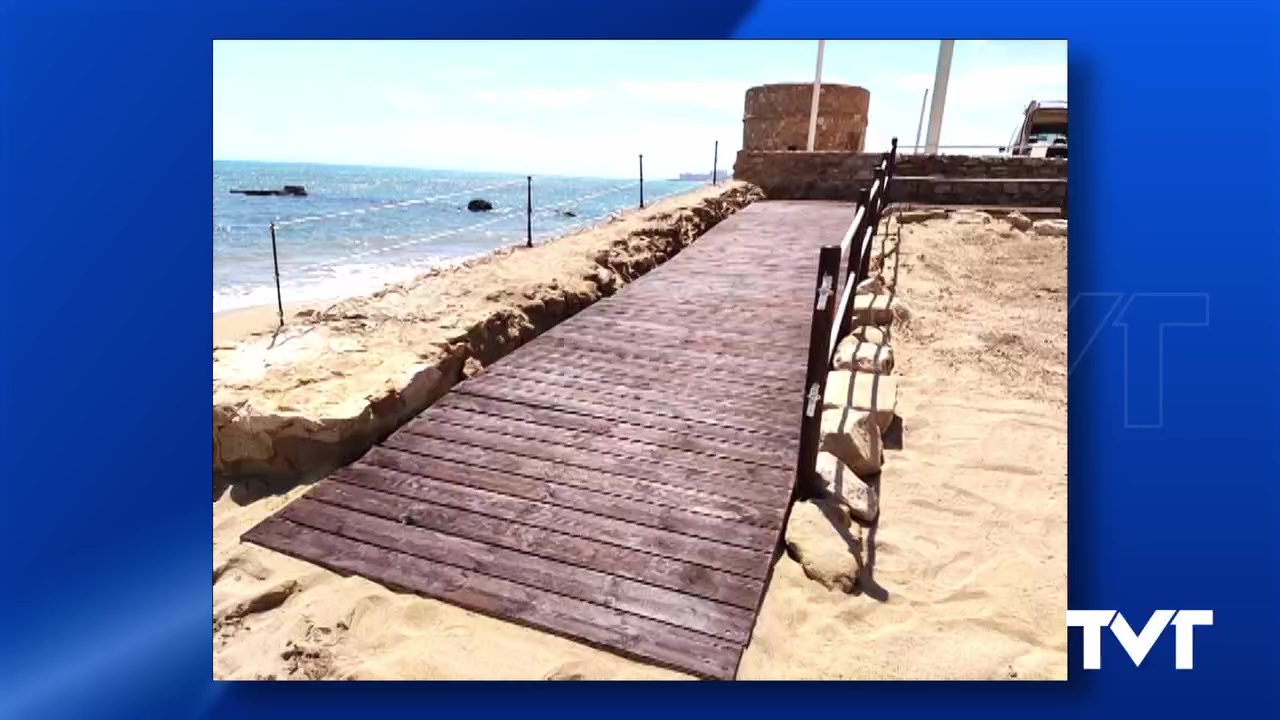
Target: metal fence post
(824, 306)
(528, 207)
(893, 159)
(854, 262)
(641, 181)
(715, 163)
(275, 263)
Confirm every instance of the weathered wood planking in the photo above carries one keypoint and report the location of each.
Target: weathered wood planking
(622, 479)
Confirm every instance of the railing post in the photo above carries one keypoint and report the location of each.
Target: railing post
(641, 181)
(854, 262)
(275, 263)
(715, 163)
(819, 363)
(528, 209)
(893, 161)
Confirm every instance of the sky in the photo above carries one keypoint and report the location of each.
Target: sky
(588, 108)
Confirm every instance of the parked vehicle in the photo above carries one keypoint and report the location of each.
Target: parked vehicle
(1042, 132)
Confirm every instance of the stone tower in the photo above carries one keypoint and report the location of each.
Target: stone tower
(776, 117)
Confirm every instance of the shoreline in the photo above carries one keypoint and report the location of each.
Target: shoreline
(299, 401)
(235, 324)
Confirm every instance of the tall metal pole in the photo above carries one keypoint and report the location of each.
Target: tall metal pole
(641, 181)
(275, 262)
(817, 89)
(920, 125)
(715, 163)
(528, 208)
(940, 78)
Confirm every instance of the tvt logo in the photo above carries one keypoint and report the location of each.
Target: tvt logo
(1143, 319)
(1139, 644)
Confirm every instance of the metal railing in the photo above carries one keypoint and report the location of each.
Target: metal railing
(833, 316)
(978, 150)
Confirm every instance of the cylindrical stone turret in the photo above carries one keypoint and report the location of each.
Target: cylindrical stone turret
(777, 117)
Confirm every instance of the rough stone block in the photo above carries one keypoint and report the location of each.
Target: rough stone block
(877, 394)
(1050, 228)
(841, 483)
(1018, 221)
(854, 353)
(818, 538)
(871, 334)
(907, 217)
(853, 437)
(873, 309)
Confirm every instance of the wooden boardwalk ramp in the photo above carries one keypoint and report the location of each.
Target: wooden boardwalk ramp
(624, 478)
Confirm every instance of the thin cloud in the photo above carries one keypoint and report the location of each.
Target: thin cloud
(556, 98)
(721, 96)
(997, 85)
(409, 100)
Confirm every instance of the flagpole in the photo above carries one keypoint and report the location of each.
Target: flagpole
(924, 102)
(945, 50)
(817, 88)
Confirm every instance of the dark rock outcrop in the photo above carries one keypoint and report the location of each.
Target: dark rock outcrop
(479, 205)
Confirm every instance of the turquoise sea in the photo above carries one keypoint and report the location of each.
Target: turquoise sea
(360, 228)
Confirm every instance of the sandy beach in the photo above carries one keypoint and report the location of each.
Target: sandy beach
(963, 577)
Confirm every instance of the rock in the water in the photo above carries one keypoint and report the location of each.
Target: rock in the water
(568, 213)
(1050, 228)
(839, 482)
(1018, 221)
(853, 437)
(817, 533)
(854, 353)
(478, 205)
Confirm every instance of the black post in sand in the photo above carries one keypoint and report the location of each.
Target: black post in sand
(715, 163)
(641, 181)
(528, 207)
(275, 262)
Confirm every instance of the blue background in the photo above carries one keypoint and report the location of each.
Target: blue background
(105, 138)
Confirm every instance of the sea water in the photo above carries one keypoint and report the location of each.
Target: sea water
(360, 228)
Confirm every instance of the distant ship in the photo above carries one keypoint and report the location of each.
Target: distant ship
(701, 177)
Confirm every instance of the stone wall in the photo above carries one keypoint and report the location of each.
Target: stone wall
(776, 117)
(941, 179)
(981, 166)
(1020, 192)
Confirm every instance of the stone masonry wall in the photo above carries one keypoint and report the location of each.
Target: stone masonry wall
(941, 179)
(776, 117)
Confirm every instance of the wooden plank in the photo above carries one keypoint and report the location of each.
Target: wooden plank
(777, 454)
(588, 526)
(362, 515)
(593, 500)
(622, 632)
(696, 501)
(665, 327)
(637, 454)
(727, 411)
(603, 408)
(645, 375)
(689, 360)
(679, 362)
(655, 472)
